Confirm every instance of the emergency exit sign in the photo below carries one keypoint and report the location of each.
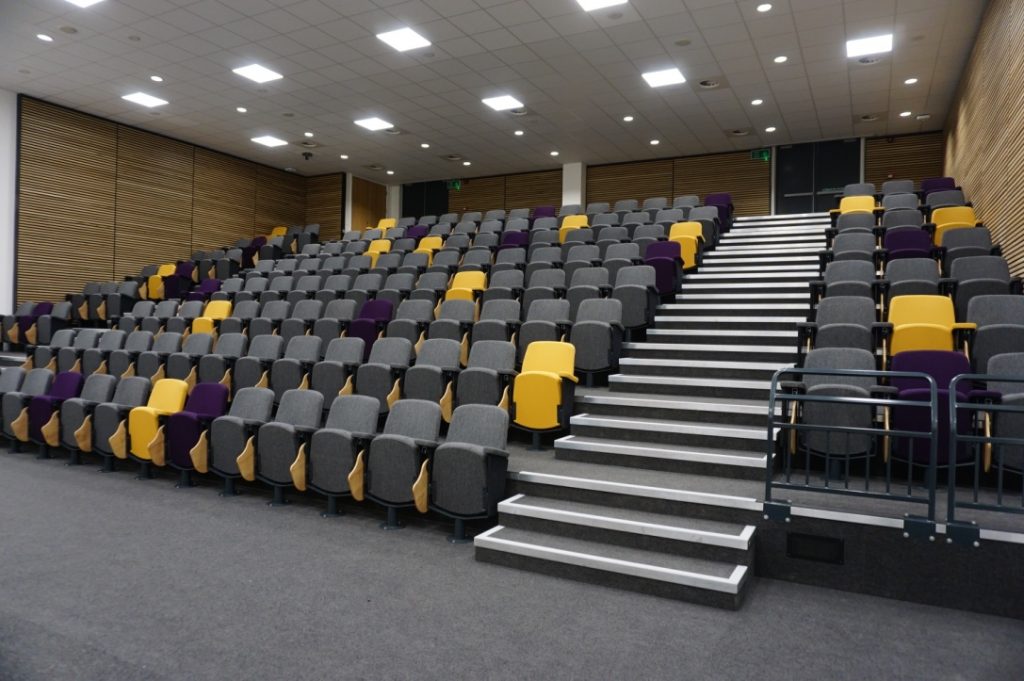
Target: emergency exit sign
(455, 184)
(761, 154)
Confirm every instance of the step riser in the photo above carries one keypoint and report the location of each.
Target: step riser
(782, 359)
(722, 416)
(659, 437)
(710, 373)
(708, 336)
(691, 294)
(629, 539)
(669, 466)
(618, 581)
(714, 311)
(692, 391)
(752, 327)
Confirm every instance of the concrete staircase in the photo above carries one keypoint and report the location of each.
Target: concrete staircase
(657, 487)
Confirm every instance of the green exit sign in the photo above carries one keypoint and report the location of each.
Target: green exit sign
(761, 154)
(455, 184)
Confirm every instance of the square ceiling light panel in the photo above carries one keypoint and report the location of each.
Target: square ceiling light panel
(258, 73)
(269, 141)
(84, 3)
(503, 103)
(591, 5)
(864, 46)
(144, 99)
(665, 77)
(404, 39)
(374, 124)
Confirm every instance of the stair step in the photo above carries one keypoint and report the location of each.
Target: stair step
(771, 240)
(709, 369)
(715, 258)
(694, 307)
(671, 432)
(732, 336)
(677, 321)
(811, 271)
(750, 250)
(691, 579)
(743, 297)
(685, 536)
(804, 276)
(740, 286)
(690, 386)
(752, 353)
(782, 228)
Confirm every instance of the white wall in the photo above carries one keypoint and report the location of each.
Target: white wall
(8, 174)
(346, 225)
(394, 201)
(574, 184)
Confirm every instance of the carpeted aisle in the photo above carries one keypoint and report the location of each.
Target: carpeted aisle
(104, 577)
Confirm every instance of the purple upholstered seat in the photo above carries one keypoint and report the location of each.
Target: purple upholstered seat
(178, 284)
(250, 251)
(417, 232)
(723, 202)
(372, 318)
(545, 212)
(937, 184)
(205, 290)
(666, 259)
(943, 366)
(25, 322)
(514, 240)
(66, 385)
(206, 402)
(908, 243)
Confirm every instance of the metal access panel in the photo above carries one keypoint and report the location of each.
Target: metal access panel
(816, 547)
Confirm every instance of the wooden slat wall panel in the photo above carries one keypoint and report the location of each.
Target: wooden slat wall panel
(747, 179)
(907, 157)
(529, 190)
(154, 200)
(478, 193)
(280, 199)
(325, 204)
(985, 131)
(224, 201)
(65, 201)
(639, 181)
(369, 203)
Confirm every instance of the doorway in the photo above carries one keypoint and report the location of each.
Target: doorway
(809, 177)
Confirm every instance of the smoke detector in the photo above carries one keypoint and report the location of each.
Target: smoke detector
(868, 118)
(738, 132)
(518, 112)
(868, 60)
(709, 84)
(374, 166)
(309, 144)
(452, 157)
(392, 131)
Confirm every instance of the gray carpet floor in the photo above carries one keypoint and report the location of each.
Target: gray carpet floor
(104, 577)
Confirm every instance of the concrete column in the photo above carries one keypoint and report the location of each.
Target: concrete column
(8, 198)
(346, 224)
(574, 183)
(394, 204)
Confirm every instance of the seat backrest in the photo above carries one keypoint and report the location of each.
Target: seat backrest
(265, 347)
(469, 280)
(575, 221)
(548, 310)
(497, 355)
(503, 310)
(66, 385)
(340, 309)
(958, 215)
(585, 252)
(1006, 364)
(168, 395)
(665, 249)
(143, 308)
(550, 356)
(627, 251)
(839, 359)
(704, 213)
(897, 187)
(304, 348)
(686, 201)
(848, 221)
(597, 207)
(112, 340)
(849, 270)
(247, 309)
(671, 215)
(300, 408)
(910, 239)
(345, 350)
(377, 310)
(209, 399)
(600, 310)
(626, 205)
(553, 278)
(853, 241)
(912, 269)
(167, 342)
(636, 275)
(307, 310)
(165, 309)
(11, 379)
(694, 229)
(859, 189)
(276, 309)
(255, 404)
(639, 217)
(945, 197)
(979, 237)
(942, 365)
(439, 352)
(64, 338)
(855, 204)
(507, 278)
(132, 391)
(996, 309)
(354, 413)
(97, 388)
(655, 203)
(415, 309)
(898, 218)
(394, 352)
(606, 219)
(459, 310)
(857, 310)
(980, 267)
(932, 184)
(417, 419)
(197, 344)
(479, 424)
(900, 202)
(921, 310)
(231, 345)
(590, 276)
(217, 309)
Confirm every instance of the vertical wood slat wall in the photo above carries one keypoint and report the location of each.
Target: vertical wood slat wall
(522, 190)
(907, 157)
(325, 204)
(985, 130)
(98, 200)
(369, 203)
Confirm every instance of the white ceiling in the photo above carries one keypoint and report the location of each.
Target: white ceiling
(578, 74)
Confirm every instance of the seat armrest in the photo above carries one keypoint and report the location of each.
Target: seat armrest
(793, 387)
(985, 396)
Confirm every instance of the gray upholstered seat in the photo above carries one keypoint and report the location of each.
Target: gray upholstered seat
(488, 373)
(278, 440)
(546, 320)
(131, 392)
(503, 285)
(98, 388)
(251, 408)
(587, 283)
(396, 287)
(543, 285)
(826, 416)
(841, 322)
(597, 335)
(249, 370)
(93, 358)
(269, 320)
(68, 356)
(242, 313)
(433, 374)
(340, 360)
(1000, 320)
(182, 364)
(36, 382)
(137, 342)
(164, 310)
(289, 372)
(979, 275)
(336, 317)
(454, 320)
(380, 377)
(303, 316)
(499, 319)
(411, 320)
(1008, 424)
(396, 456)
(229, 347)
(151, 361)
(635, 288)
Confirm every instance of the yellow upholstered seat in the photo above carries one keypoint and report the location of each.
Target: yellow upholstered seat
(168, 397)
(694, 229)
(923, 323)
(213, 313)
(376, 247)
(280, 230)
(466, 286)
(542, 392)
(430, 245)
(570, 223)
(952, 217)
(155, 284)
(689, 247)
(857, 204)
(384, 224)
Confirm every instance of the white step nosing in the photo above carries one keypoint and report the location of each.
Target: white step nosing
(651, 451)
(764, 277)
(677, 427)
(751, 296)
(646, 491)
(698, 363)
(708, 319)
(730, 585)
(702, 347)
(717, 268)
(724, 333)
(739, 286)
(515, 506)
(737, 306)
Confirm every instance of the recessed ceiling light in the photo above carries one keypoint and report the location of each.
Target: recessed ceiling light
(756, 102)
(374, 124)
(404, 39)
(664, 77)
(257, 73)
(764, 7)
(424, 145)
(770, 128)
(655, 142)
(84, 3)
(627, 119)
(307, 134)
(922, 117)
(519, 133)
(872, 45)
(241, 109)
(554, 153)
(781, 59)
(144, 99)
(591, 5)
(910, 81)
(502, 102)
(269, 141)
(45, 38)
(343, 157)
(156, 79)
(906, 114)
(466, 163)
(391, 172)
